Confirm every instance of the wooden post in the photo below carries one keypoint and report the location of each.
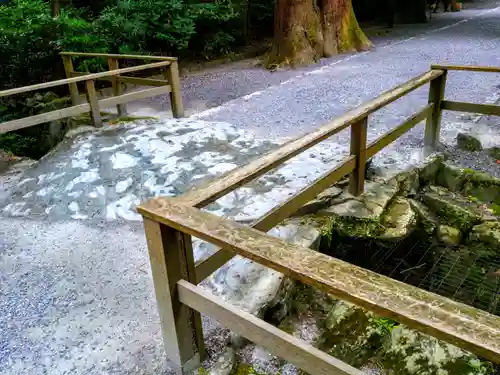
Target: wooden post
(358, 149)
(433, 125)
(73, 87)
(117, 86)
(171, 257)
(95, 112)
(172, 75)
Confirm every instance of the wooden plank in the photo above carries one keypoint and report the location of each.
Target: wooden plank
(172, 75)
(485, 109)
(207, 266)
(91, 76)
(118, 56)
(281, 344)
(468, 68)
(143, 81)
(69, 70)
(397, 132)
(58, 114)
(358, 149)
(454, 322)
(95, 111)
(135, 95)
(116, 85)
(167, 254)
(231, 181)
(433, 124)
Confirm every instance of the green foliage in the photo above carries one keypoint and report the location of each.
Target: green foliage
(385, 325)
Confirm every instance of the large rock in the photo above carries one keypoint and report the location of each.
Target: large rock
(426, 219)
(360, 216)
(399, 220)
(360, 338)
(449, 235)
(323, 200)
(450, 177)
(468, 142)
(487, 233)
(453, 209)
(481, 186)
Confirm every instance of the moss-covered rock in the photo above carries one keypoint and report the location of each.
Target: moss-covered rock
(427, 221)
(453, 209)
(362, 338)
(487, 233)
(481, 186)
(450, 177)
(468, 142)
(399, 220)
(448, 235)
(429, 168)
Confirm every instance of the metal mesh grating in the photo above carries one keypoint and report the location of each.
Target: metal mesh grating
(465, 274)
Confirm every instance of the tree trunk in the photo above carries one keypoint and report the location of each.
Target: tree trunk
(306, 30)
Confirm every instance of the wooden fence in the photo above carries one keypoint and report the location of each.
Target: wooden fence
(170, 223)
(115, 75)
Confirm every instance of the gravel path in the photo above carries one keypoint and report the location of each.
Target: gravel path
(210, 89)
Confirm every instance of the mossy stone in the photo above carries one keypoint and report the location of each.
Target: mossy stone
(449, 235)
(468, 142)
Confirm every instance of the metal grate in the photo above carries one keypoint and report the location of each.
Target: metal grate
(466, 274)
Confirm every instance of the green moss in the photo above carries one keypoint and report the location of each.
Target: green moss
(245, 369)
(494, 153)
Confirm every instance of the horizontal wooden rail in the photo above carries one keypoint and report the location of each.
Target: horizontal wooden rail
(281, 344)
(383, 141)
(135, 95)
(87, 77)
(485, 69)
(58, 114)
(124, 79)
(484, 109)
(118, 56)
(454, 322)
(202, 196)
(207, 266)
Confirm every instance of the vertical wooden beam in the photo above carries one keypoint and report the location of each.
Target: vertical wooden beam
(73, 87)
(172, 75)
(95, 112)
(433, 125)
(117, 86)
(171, 258)
(358, 149)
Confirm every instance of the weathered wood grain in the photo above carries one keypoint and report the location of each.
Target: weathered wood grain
(91, 76)
(358, 149)
(281, 344)
(69, 70)
(58, 114)
(462, 325)
(118, 56)
(268, 221)
(231, 181)
(484, 109)
(117, 86)
(135, 95)
(173, 78)
(385, 140)
(169, 254)
(433, 124)
(467, 68)
(95, 111)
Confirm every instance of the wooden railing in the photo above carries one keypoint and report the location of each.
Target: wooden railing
(171, 85)
(170, 223)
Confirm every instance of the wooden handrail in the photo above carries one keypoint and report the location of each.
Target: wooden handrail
(87, 77)
(454, 322)
(120, 57)
(207, 266)
(200, 197)
(484, 69)
(288, 347)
